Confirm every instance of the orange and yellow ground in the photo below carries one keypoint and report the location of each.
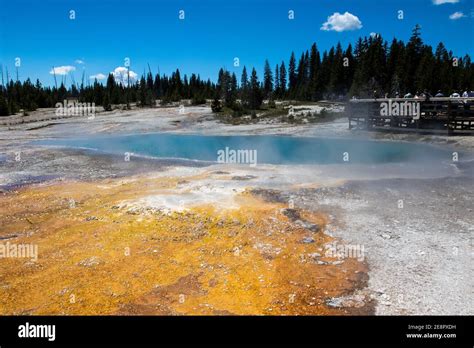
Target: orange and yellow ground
(97, 258)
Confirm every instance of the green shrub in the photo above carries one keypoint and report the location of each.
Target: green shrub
(216, 105)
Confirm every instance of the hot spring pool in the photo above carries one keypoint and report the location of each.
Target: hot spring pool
(269, 149)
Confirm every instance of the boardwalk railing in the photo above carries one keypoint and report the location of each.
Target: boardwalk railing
(434, 115)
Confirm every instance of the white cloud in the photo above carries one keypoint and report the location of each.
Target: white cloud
(98, 76)
(457, 15)
(62, 70)
(441, 2)
(374, 35)
(79, 61)
(342, 22)
(121, 76)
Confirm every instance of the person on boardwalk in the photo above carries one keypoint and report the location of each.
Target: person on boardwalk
(426, 95)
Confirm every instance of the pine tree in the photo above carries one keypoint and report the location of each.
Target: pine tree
(292, 75)
(412, 58)
(255, 97)
(216, 104)
(349, 69)
(395, 60)
(110, 83)
(230, 89)
(443, 69)
(12, 107)
(282, 80)
(267, 80)
(465, 78)
(302, 77)
(244, 86)
(425, 71)
(337, 72)
(221, 83)
(106, 102)
(142, 92)
(157, 86)
(178, 92)
(4, 106)
(277, 82)
(314, 67)
(149, 81)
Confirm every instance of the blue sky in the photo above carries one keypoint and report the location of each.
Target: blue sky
(212, 34)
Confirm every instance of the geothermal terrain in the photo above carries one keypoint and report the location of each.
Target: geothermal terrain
(175, 237)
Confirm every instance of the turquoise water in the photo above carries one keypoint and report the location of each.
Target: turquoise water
(271, 149)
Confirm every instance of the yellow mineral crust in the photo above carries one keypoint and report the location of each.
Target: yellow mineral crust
(98, 257)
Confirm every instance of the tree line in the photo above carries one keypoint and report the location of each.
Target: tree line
(16, 95)
(371, 66)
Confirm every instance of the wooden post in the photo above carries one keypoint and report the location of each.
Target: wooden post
(369, 116)
(418, 122)
(349, 115)
(448, 122)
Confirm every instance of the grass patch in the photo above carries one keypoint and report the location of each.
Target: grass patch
(278, 111)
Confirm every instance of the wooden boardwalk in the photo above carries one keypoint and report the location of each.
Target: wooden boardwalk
(436, 115)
